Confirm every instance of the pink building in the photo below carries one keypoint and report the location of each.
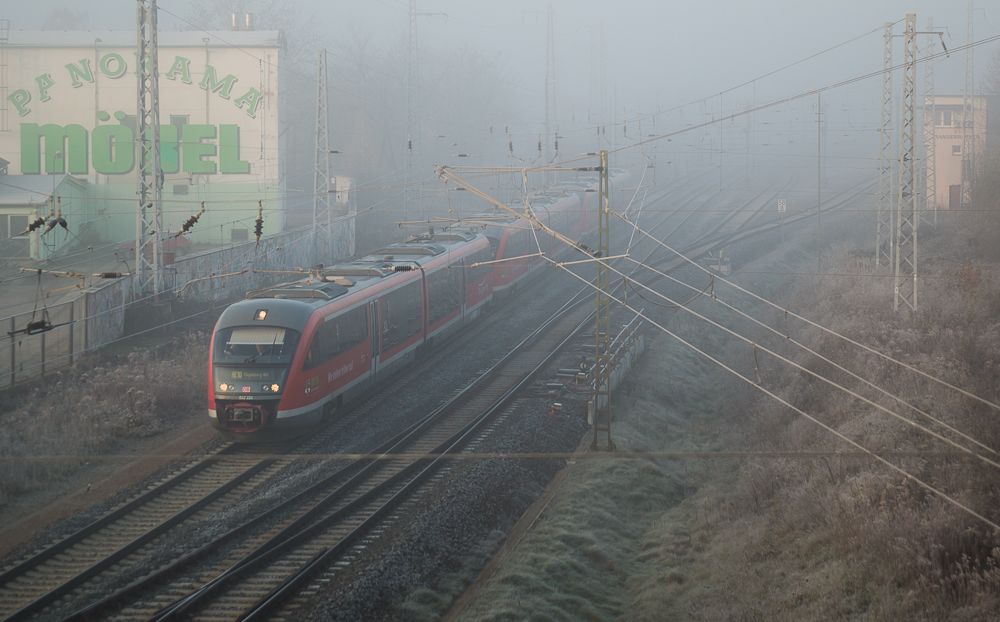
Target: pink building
(947, 178)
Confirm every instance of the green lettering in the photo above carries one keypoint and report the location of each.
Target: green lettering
(229, 151)
(45, 82)
(68, 143)
(20, 98)
(76, 72)
(181, 66)
(251, 97)
(210, 83)
(169, 162)
(113, 148)
(105, 65)
(193, 149)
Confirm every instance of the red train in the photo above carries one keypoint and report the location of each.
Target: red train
(288, 356)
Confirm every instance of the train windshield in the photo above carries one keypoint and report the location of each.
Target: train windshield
(266, 345)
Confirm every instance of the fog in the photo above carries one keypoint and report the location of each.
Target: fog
(482, 71)
(657, 52)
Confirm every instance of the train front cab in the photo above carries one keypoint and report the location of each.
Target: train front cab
(252, 356)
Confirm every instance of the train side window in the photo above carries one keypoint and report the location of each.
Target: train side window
(485, 255)
(401, 314)
(314, 354)
(362, 315)
(443, 290)
(479, 271)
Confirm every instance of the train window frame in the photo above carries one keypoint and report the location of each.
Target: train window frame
(223, 338)
(401, 313)
(443, 294)
(337, 330)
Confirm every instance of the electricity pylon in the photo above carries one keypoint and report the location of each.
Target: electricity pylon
(883, 225)
(906, 223)
(602, 335)
(551, 125)
(930, 134)
(322, 198)
(968, 122)
(149, 185)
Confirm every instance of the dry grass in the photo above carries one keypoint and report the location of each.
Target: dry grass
(51, 427)
(874, 544)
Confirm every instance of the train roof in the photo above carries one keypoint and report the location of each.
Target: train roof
(358, 274)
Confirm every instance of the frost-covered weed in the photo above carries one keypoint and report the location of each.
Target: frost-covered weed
(54, 427)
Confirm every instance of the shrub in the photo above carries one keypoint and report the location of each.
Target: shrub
(63, 419)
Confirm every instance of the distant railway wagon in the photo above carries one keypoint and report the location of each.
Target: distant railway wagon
(290, 355)
(569, 208)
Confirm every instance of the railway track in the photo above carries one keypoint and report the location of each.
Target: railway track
(203, 488)
(264, 568)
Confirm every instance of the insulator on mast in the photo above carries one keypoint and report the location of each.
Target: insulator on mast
(258, 228)
(190, 222)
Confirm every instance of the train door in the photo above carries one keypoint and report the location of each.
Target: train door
(375, 332)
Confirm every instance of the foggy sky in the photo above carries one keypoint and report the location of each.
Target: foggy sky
(658, 53)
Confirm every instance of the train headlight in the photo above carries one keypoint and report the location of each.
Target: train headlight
(274, 388)
(224, 387)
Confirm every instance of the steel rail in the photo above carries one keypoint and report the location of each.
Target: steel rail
(297, 534)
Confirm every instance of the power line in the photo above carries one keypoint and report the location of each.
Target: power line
(806, 415)
(815, 324)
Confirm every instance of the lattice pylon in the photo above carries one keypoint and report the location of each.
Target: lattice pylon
(930, 133)
(884, 218)
(602, 336)
(968, 121)
(412, 111)
(906, 214)
(149, 176)
(551, 123)
(322, 197)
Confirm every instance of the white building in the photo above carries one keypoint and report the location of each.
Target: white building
(69, 107)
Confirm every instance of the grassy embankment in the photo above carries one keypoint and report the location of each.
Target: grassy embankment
(759, 537)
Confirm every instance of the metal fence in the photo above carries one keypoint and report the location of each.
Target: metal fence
(25, 356)
(97, 317)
